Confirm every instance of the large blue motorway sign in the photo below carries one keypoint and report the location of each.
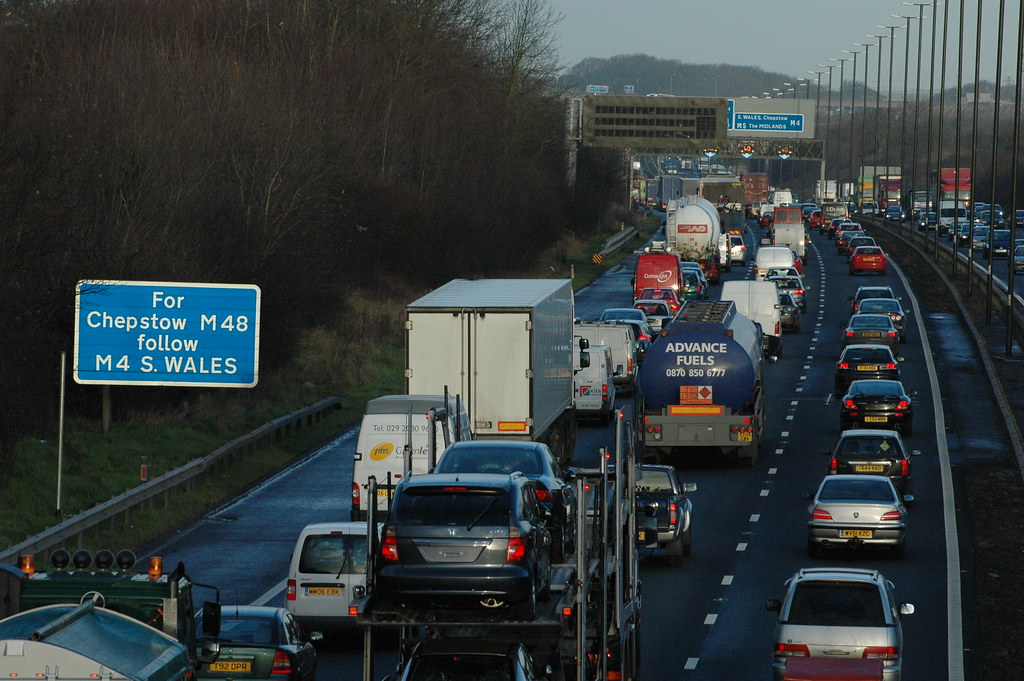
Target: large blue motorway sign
(157, 333)
(768, 122)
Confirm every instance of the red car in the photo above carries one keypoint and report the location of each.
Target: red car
(765, 220)
(667, 294)
(869, 259)
(815, 220)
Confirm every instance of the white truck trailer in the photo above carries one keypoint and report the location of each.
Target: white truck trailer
(505, 346)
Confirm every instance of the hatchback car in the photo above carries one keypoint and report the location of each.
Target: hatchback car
(835, 225)
(856, 511)
(872, 329)
(874, 452)
(260, 642)
(860, 362)
(927, 221)
(535, 461)
(467, 659)
(614, 314)
(839, 612)
(894, 213)
(738, 248)
(465, 541)
(858, 240)
(877, 403)
(1018, 258)
(659, 314)
(979, 242)
(843, 237)
(868, 259)
(869, 292)
(889, 306)
(669, 295)
(815, 219)
(789, 311)
(693, 285)
(998, 245)
(795, 286)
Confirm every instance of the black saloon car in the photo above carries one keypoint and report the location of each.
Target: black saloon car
(875, 403)
(865, 362)
(465, 541)
(874, 452)
(889, 306)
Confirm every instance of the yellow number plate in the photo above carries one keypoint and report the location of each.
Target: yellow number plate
(867, 367)
(231, 666)
(746, 437)
(643, 535)
(869, 468)
(862, 534)
(875, 419)
(323, 590)
(871, 334)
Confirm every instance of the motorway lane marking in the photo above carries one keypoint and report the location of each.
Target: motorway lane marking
(754, 517)
(270, 593)
(785, 433)
(710, 619)
(778, 451)
(742, 546)
(789, 417)
(773, 471)
(727, 580)
(764, 492)
(691, 663)
(794, 403)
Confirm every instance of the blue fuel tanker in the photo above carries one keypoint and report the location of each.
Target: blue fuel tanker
(702, 385)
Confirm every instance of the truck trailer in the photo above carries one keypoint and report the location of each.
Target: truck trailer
(702, 385)
(588, 628)
(504, 345)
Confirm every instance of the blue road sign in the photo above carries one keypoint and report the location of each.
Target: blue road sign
(159, 333)
(768, 122)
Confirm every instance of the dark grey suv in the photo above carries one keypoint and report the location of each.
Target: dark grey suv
(465, 540)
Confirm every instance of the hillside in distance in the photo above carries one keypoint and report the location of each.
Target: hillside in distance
(651, 75)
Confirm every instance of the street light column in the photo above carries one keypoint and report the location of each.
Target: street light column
(853, 110)
(917, 103)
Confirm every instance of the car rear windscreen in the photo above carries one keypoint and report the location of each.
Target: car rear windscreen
(836, 604)
(452, 505)
(333, 554)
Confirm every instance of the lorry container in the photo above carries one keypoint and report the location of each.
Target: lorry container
(693, 232)
(702, 385)
(888, 190)
(504, 345)
(78, 642)
(955, 185)
(826, 190)
(589, 625)
(755, 187)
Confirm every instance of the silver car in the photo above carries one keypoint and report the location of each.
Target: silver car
(794, 285)
(856, 511)
(832, 612)
(871, 329)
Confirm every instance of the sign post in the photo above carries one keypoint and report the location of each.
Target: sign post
(160, 333)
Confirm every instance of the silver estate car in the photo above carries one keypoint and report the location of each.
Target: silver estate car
(836, 611)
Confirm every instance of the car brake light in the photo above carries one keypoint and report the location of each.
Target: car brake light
(892, 334)
(791, 650)
(673, 514)
(890, 365)
(799, 292)
(355, 495)
(516, 547)
(844, 365)
(850, 404)
(849, 334)
(881, 653)
(833, 466)
(643, 337)
(282, 663)
(290, 593)
(904, 468)
(389, 545)
(891, 515)
(820, 514)
(542, 495)
(903, 404)
(629, 364)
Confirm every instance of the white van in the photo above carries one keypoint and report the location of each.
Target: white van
(395, 428)
(326, 573)
(758, 301)
(772, 256)
(618, 337)
(594, 385)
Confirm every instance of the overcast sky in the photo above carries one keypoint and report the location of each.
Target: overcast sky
(787, 36)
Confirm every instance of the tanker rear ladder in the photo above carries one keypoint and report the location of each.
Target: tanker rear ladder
(562, 634)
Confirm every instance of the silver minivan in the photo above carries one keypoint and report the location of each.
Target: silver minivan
(832, 612)
(326, 573)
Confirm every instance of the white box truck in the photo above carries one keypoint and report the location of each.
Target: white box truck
(505, 346)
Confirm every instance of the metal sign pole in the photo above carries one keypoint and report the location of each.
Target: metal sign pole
(60, 430)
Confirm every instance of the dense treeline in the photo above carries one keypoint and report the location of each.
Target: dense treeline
(308, 146)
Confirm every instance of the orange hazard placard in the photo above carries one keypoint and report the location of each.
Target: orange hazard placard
(695, 394)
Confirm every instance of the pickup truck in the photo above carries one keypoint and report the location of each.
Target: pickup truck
(659, 487)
